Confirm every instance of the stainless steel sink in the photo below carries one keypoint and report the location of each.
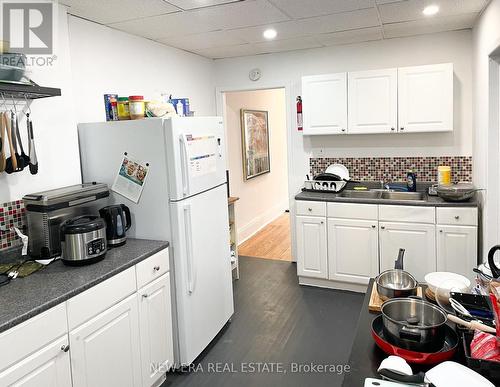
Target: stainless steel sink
(403, 195)
(361, 194)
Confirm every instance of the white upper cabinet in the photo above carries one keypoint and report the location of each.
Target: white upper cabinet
(373, 99)
(425, 95)
(324, 99)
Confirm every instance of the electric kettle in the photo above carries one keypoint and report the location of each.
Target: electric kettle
(118, 221)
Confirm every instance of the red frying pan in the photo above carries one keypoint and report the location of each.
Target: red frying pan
(446, 353)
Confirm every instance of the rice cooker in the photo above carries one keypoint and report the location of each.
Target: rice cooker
(83, 240)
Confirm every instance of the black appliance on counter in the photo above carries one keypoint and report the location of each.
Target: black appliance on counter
(118, 221)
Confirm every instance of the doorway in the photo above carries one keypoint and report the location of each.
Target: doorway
(262, 219)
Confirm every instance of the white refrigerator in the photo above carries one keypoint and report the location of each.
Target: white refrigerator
(184, 201)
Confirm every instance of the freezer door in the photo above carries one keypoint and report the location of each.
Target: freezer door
(202, 265)
(196, 155)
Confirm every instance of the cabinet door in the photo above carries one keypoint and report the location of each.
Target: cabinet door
(155, 325)
(105, 350)
(352, 250)
(324, 104)
(48, 367)
(456, 249)
(418, 240)
(311, 247)
(373, 101)
(425, 95)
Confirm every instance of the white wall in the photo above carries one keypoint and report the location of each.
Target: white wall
(106, 61)
(93, 60)
(54, 127)
(486, 39)
(287, 69)
(265, 197)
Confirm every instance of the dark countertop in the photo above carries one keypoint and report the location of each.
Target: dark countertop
(430, 201)
(365, 356)
(24, 298)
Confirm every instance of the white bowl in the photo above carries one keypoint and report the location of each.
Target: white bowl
(443, 280)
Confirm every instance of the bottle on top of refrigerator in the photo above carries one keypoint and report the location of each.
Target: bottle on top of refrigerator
(411, 181)
(179, 108)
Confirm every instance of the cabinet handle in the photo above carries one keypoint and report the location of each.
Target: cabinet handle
(343, 129)
(373, 226)
(156, 268)
(322, 222)
(393, 129)
(457, 217)
(145, 296)
(65, 348)
(402, 128)
(309, 209)
(382, 227)
(440, 230)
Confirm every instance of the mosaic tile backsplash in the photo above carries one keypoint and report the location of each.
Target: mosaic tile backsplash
(395, 168)
(12, 214)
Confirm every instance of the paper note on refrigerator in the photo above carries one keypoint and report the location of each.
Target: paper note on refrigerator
(201, 153)
(131, 178)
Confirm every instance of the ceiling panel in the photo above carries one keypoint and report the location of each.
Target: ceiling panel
(227, 51)
(430, 25)
(286, 45)
(307, 8)
(412, 9)
(204, 40)
(234, 15)
(352, 36)
(311, 26)
(191, 4)
(111, 11)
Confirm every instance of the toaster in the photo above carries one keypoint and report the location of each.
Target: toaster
(46, 211)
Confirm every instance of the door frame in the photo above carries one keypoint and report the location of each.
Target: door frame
(220, 97)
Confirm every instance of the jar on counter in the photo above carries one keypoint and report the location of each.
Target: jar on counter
(136, 107)
(444, 175)
(123, 109)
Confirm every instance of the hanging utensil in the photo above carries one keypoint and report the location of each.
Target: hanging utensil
(399, 261)
(23, 159)
(32, 152)
(11, 162)
(3, 143)
(14, 129)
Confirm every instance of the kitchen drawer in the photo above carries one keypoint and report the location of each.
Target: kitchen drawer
(310, 208)
(24, 339)
(457, 216)
(152, 268)
(410, 214)
(353, 211)
(101, 297)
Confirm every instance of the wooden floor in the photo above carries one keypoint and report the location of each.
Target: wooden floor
(277, 321)
(272, 242)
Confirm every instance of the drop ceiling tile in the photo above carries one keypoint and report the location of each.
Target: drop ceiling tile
(234, 15)
(112, 11)
(191, 4)
(307, 8)
(227, 51)
(431, 25)
(387, 1)
(287, 45)
(352, 36)
(203, 40)
(412, 9)
(317, 25)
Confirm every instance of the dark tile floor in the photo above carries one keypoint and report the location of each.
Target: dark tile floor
(277, 325)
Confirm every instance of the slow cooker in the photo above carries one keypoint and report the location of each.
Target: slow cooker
(83, 240)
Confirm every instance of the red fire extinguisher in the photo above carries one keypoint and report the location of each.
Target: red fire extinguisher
(299, 113)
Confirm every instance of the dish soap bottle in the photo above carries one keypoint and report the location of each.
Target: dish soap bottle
(411, 181)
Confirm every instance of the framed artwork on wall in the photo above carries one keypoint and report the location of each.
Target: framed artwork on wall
(255, 143)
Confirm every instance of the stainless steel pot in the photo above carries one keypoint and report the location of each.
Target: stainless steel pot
(414, 324)
(396, 283)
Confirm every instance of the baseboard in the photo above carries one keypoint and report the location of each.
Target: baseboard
(323, 283)
(258, 223)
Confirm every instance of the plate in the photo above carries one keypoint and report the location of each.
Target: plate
(338, 169)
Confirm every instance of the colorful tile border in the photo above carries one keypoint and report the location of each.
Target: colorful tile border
(395, 168)
(12, 214)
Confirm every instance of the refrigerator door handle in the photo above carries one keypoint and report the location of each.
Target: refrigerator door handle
(184, 165)
(191, 276)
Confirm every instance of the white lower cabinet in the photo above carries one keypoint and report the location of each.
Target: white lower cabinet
(155, 326)
(352, 250)
(105, 350)
(456, 249)
(47, 367)
(311, 247)
(419, 243)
